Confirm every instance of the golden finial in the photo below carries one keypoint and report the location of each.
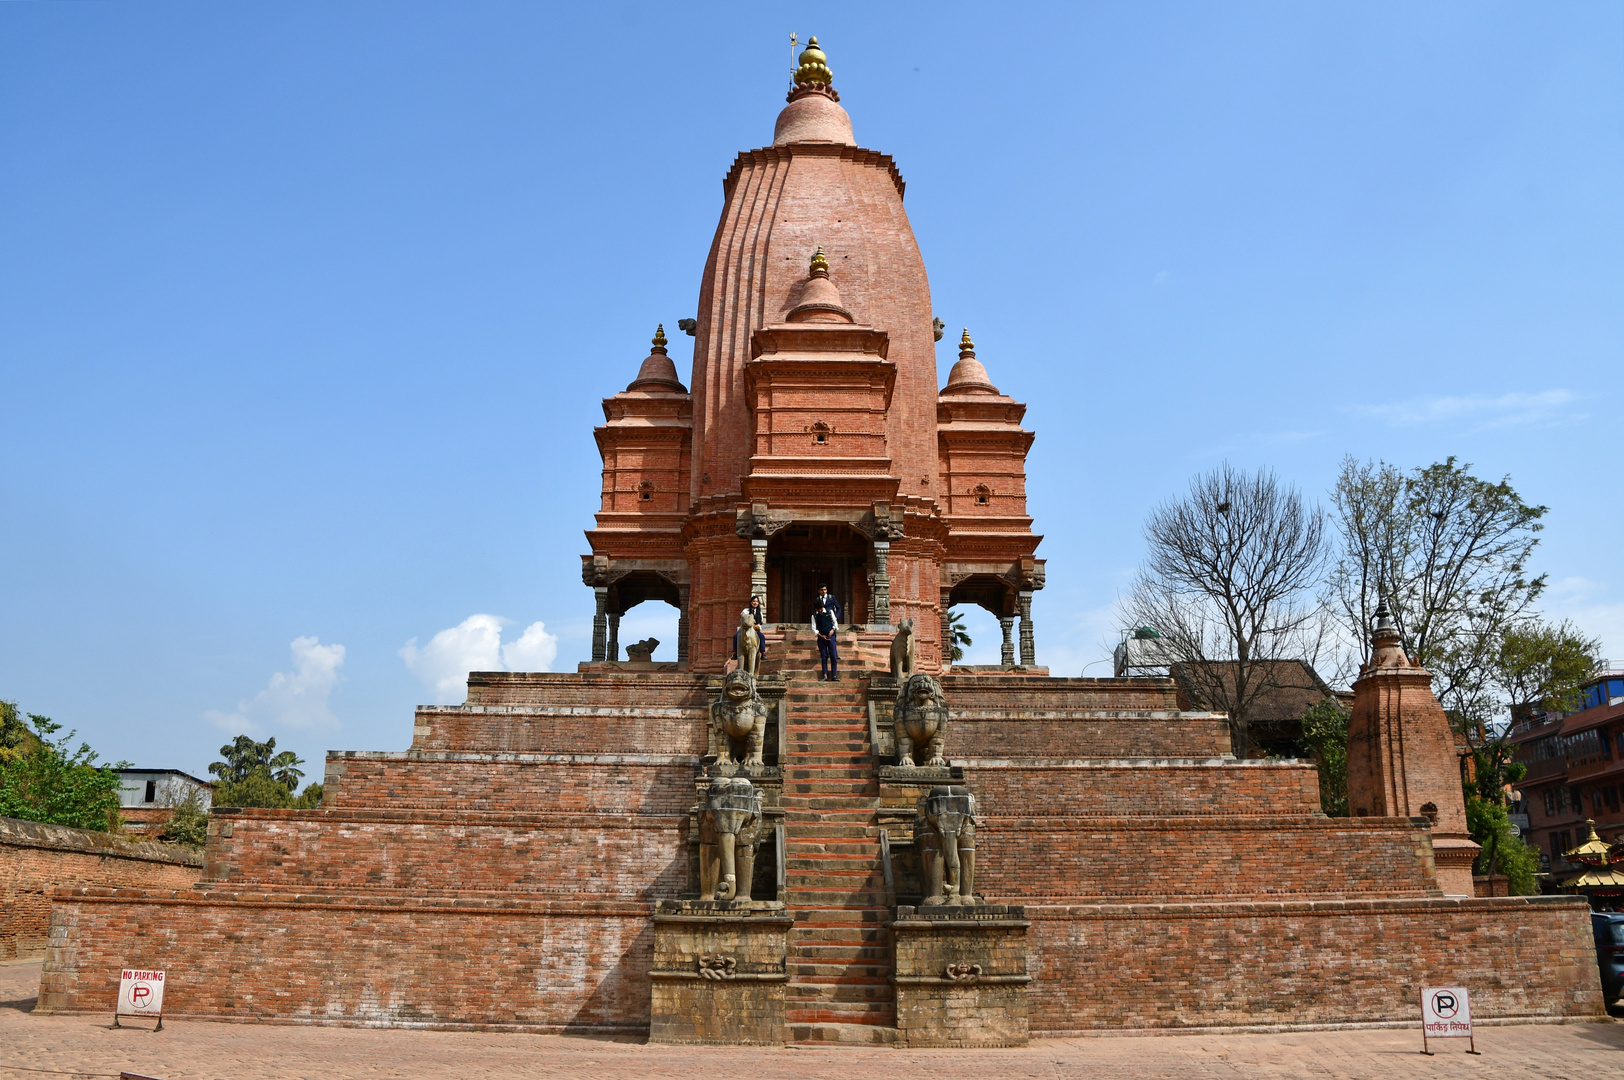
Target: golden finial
(820, 265)
(965, 344)
(659, 336)
(814, 65)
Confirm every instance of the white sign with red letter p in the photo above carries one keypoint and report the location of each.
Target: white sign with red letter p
(140, 993)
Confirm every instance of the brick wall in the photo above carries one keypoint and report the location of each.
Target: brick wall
(578, 966)
(425, 851)
(1069, 734)
(607, 783)
(1328, 962)
(1024, 860)
(596, 689)
(1017, 694)
(1156, 789)
(34, 858)
(562, 729)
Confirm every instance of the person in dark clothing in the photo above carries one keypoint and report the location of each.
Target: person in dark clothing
(755, 609)
(826, 621)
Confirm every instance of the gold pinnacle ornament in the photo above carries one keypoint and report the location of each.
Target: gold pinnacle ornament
(814, 66)
(659, 336)
(820, 265)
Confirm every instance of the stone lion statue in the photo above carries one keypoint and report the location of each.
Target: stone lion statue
(921, 722)
(642, 652)
(749, 644)
(903, 652)
(738, 714)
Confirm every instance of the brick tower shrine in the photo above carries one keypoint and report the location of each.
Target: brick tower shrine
(815, 447)
(917, 857)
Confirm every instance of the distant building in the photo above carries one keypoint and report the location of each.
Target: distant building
(147, 797)
(1575, 772)
(1275, 721)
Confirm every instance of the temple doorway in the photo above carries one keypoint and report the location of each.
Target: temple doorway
(804, 556)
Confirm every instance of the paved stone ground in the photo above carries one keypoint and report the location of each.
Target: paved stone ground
(41, 1047)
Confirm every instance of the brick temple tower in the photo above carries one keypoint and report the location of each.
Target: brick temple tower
(815, 447)
(1401, 756)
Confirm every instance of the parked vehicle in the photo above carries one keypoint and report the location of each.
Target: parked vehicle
(1608, 926)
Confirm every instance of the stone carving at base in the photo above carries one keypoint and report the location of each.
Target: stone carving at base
(738, 714)
(718, 967)
(945, 837)
(729, 828)
(921, 722)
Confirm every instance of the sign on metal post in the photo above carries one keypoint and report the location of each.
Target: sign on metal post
(140, 993)
(1446, 1013)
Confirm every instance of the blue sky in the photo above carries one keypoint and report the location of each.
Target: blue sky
(306, 309)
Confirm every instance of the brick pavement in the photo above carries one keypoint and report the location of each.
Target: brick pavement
(40, 1047)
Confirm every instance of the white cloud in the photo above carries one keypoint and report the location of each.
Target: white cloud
(475, 644)
(1546, 408)
(292, 699)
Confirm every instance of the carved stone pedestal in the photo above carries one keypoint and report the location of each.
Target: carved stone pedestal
(719, 973)
(960, 974)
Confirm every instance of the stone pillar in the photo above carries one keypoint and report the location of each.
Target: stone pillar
(612, 649)
(1401, 756)
(1006, 623)
(682, 624)
(1028, 645)
(881, 607)
(947, 630)
(758, 572)
(600, 624)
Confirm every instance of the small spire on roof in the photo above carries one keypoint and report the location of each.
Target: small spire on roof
(659, 338)
(966, 346)
(820, 263)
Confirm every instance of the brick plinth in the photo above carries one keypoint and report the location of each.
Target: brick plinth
(960, 974)
(568, 964)
(1172, 966)
(719, 973)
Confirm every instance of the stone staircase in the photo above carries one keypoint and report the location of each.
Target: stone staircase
(839, 957)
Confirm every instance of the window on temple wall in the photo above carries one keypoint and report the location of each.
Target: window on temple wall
(1595, 800)
(645, 491)
(1612, 797)
(983, 493)
(821, 432)
(1576, 801)
(1550, 803)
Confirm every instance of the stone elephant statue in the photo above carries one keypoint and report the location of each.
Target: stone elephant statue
(730, 826)
(945, 837)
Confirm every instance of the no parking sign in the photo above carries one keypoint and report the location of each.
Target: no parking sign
(1446, 1013)
(140, 993)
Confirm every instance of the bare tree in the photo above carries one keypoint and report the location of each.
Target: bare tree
(1447, 551)
(1229, 582)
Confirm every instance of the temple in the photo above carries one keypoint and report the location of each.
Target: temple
(815, 447)
(915, 853)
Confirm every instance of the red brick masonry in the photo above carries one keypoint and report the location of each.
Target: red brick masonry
(34, 858)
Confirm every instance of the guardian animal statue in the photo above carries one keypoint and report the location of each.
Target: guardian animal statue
(642, 652)
(749, 644)
(729, 829)
(945, 837)
(903, 652)
(738, 714)
(921, 722)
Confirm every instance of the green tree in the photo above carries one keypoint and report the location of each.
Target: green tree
(1503, 852)
(189, 824)
(14, 735)
(1540, 667)
(959, 636)
(1325, 734)
(50, 782)
(253, 774)
(1448, 553)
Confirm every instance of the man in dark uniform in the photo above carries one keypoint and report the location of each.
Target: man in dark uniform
(826, 621)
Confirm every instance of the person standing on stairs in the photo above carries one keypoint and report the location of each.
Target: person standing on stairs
(826, 622)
